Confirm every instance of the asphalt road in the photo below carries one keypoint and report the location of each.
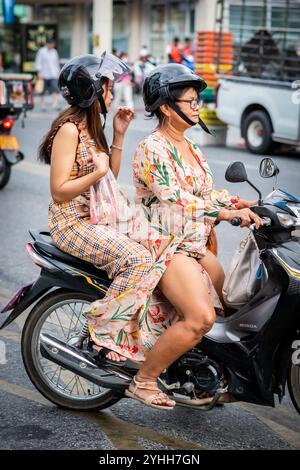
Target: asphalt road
(28, 421)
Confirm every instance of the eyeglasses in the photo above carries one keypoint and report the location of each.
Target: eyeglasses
(194, 103)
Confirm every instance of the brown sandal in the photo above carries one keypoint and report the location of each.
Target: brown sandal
(152, 386)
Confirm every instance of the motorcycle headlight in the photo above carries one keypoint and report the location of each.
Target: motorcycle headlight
(286, 220)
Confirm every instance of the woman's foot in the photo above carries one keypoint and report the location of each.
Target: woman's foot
(111, 355)
(146, 391)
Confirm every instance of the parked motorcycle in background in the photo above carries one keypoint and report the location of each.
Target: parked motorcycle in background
(15, 99)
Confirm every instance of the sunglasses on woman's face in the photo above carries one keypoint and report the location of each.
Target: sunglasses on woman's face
(195, 103)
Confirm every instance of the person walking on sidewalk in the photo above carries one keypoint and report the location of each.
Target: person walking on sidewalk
(47, 66)
(123, 89)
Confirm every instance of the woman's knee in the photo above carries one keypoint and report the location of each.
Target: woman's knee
(202, 322)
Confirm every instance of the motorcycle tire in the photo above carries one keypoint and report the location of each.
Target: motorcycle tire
(33, 360)
(293, 381)
(5, 170)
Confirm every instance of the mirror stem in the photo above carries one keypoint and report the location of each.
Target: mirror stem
(258, 191)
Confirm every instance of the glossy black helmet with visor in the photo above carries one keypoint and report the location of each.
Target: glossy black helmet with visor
(81, 79)
(158, 86)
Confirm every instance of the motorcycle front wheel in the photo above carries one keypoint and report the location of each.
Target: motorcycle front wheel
(59, 314)
(293, 381)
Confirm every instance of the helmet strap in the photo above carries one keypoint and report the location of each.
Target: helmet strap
(99, 91)
(186, 119)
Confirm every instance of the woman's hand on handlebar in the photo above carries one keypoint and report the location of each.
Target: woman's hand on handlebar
(244, 204)
(246, 215)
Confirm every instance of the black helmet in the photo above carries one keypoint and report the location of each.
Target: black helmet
(80, 78)
(158, 86)
(162, 79)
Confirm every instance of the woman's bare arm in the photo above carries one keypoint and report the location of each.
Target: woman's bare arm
(116, 153)
(62, 160)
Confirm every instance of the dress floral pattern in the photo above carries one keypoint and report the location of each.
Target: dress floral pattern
(176, 207)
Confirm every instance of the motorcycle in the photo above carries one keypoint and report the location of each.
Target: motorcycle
(16, 98)
(9, 148)
(250, 355)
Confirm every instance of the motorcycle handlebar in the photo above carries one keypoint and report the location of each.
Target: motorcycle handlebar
(236, 221)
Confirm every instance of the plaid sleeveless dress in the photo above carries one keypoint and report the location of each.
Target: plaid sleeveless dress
(124, 260)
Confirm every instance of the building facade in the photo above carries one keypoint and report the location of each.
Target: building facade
(86, 26)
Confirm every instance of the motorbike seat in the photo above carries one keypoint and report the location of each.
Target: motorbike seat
(43, 242)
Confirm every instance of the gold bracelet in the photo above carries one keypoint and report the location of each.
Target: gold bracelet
(113, 146)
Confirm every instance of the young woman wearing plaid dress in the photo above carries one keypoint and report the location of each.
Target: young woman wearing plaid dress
(77, 150)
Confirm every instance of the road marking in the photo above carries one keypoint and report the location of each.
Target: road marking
(289, 436)
(10, 335)
(123, 435)
(274, 419)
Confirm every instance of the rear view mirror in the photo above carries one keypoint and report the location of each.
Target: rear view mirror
(236, 173)
(268, 168)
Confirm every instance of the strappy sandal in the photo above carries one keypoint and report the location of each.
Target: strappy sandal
(128, 365)
(103, 353)
(151, 386)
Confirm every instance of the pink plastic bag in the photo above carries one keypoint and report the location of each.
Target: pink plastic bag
(108, 205)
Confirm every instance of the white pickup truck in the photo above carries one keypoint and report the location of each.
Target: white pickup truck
(266, 111)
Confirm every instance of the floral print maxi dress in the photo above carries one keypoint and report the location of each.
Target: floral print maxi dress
(176, 208)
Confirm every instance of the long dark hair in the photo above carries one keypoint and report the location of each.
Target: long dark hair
(75, 114)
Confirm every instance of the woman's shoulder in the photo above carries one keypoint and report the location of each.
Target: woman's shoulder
(153, 141)
(69, 128)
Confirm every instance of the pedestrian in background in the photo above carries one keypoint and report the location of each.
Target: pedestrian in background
(47, 67)
(123, 90)
(142, 67)
(174, 51)
(187, 54)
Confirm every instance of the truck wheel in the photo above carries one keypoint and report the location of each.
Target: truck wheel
(257, 129)
(4, 170)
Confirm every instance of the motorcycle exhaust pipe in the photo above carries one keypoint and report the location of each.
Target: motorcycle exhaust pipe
(80, 363)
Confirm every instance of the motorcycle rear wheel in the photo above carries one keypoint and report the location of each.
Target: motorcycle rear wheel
(60, 315)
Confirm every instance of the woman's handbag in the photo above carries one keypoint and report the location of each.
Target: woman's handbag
(109, 205)
(245, 274)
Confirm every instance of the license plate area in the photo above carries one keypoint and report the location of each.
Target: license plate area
(16, 298)
(9, 142)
